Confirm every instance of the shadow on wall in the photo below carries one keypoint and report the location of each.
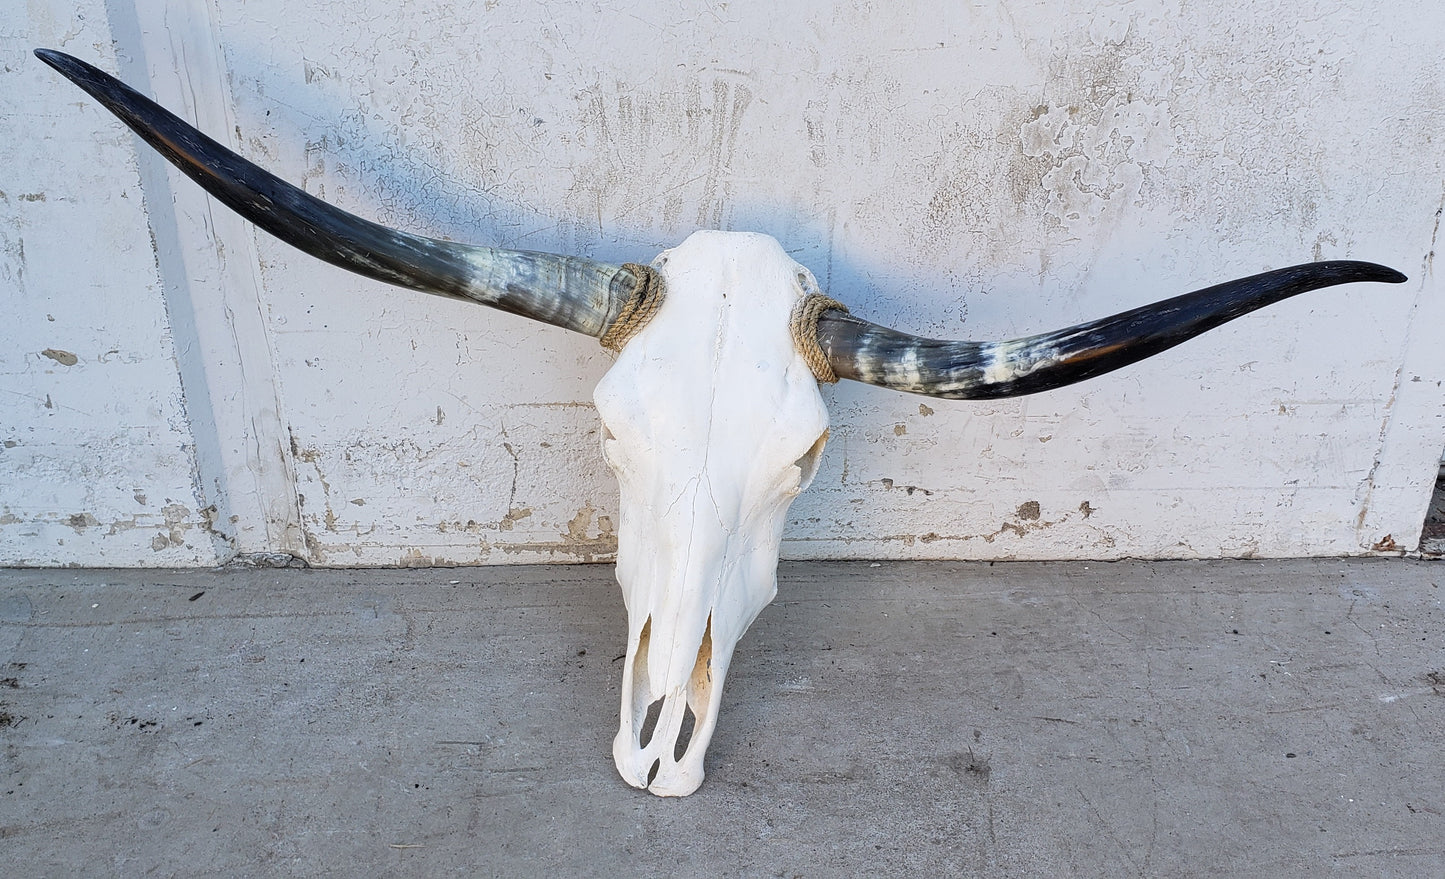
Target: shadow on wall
(420, 189)
(439, 189)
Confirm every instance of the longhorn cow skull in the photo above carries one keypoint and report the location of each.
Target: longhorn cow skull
(712, 419)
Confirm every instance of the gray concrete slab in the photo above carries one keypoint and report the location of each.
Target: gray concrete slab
(1088, 719)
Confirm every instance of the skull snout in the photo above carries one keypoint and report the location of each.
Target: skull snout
(667, 721)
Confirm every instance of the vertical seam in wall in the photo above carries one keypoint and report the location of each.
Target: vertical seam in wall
(1364, 531)
(207, 483)
(213, 289)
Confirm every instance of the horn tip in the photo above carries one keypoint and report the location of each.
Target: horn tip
(1350, 271)
(69, 66)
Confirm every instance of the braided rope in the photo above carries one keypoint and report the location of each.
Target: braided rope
(803, 324)
(644, 302)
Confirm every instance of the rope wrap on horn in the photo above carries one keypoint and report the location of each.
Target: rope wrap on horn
(803, 324)
(644, 302)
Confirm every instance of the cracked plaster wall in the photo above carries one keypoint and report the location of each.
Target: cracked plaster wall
(980, 170)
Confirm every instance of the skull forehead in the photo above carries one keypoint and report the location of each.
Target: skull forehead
(718, 357)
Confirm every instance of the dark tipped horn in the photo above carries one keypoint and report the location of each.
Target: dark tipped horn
(571, 292)
(867, 352)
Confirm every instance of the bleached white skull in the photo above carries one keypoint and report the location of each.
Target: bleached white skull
(712, 419)
(713, 423)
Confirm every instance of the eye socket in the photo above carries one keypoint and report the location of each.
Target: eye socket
(808, 463)
(610, 451)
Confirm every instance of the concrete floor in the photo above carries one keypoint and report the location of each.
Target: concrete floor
(1086, 719)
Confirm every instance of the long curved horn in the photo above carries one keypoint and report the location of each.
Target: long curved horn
(570, 292)
(957, 370)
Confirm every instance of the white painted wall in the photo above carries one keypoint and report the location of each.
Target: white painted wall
(974, 170)
(97, 459)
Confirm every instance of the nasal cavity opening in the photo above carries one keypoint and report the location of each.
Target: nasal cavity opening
(649, 723)
(699, 694)
(684, 735)
(644, 716)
